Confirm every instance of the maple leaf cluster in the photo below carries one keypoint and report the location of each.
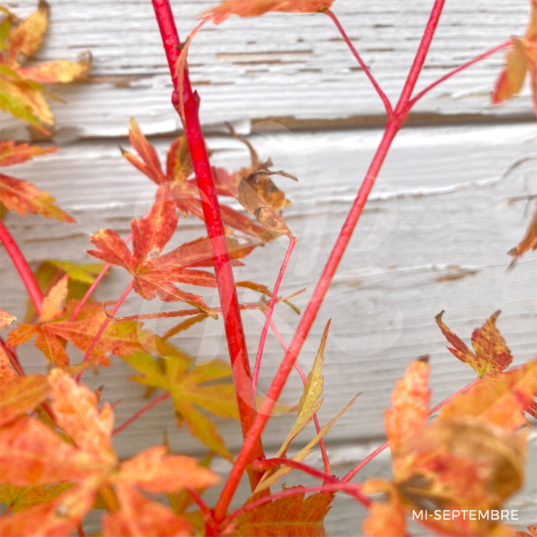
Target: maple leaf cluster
(80, 464)
(57, 461)
(22, 93)
(471, 457)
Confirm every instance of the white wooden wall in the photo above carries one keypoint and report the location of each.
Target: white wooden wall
(433, 236)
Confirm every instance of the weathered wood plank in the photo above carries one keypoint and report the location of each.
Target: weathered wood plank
(433, 237)
(289, 67)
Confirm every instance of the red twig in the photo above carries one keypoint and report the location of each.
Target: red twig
(304, 325)
(94, 285)
(270, 310)
(382, 95)
(13, 358)
(402, 108)
(211, 527)
(393, 125)
(266, 464)
(22, 266)
(215, 229)
(140, 412)
(381, 448)
(89, 292)
(98, 335)
(7, 511)
(324, 454)
(462, 67)
(353, 489)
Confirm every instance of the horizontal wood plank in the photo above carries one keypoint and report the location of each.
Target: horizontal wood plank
(295, 68)
(433, 236)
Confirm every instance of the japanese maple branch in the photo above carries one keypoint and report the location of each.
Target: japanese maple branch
(13, 358)
(99, 333)
(270, 310)
(22, 266)
(382, 95)
(236, 340)
(381, 448)
(462, 67)
(140, 412)
(395, 121)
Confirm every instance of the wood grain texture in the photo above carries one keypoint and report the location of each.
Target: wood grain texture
(434, 236)
(291, 67)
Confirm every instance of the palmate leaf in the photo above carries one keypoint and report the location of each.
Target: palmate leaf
(491, 355)
(501, 401)
(21, 196)
(20, 394)
(290, 516)
(152, 272)
(519, 60)
(186, 195)
(81, 276)
(256, 8)
(190, 393)
(410, 405)
(21, 92)
(22, 498)
(32, 454)
(139, 516)
(119, 337)
(469, 458)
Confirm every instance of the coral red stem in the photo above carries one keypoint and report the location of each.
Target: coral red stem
(211, 210)
(270, 310)
(12, 248)
(382, 95)
(462, 67)
(98, 335)
(381, 448)
(13, 358)
(394, 123)
(140, 412)
(279, 461)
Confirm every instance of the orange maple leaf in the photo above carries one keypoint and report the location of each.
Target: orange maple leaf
(292, 515)
(469, 458)
(152, 272)
(410, 405)
(491, 355)
(19, 394)
(22, 92)
(119, 338)
(529, 242)
(21, 196)
(520, 59)
(31, 454)
(186, 195)
(256, 8)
